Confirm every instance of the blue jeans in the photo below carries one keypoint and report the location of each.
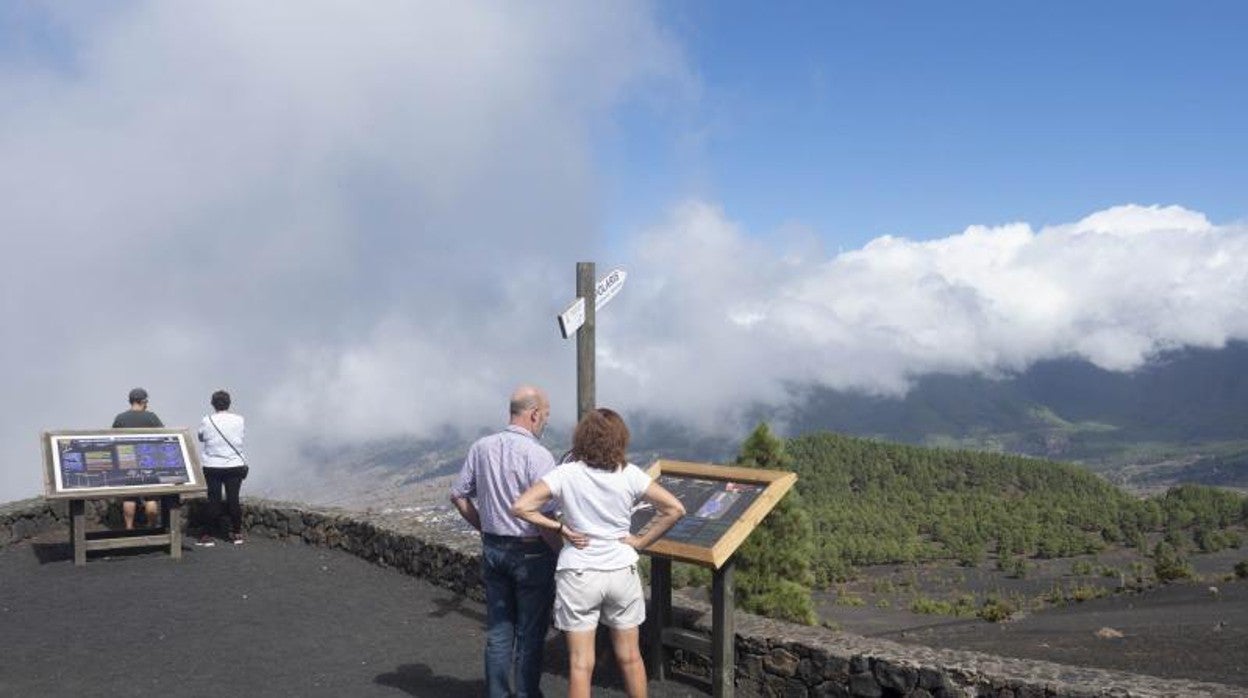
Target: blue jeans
(519, 578)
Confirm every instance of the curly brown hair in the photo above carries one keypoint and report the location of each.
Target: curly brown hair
(601, 440)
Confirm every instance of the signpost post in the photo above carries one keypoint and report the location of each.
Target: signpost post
(585, 344)
(580, 318)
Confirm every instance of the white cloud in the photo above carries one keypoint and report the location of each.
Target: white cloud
(716, 321)
(355, 216)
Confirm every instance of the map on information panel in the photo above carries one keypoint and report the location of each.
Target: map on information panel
(722, 505)
(711, 507)
(109, 462)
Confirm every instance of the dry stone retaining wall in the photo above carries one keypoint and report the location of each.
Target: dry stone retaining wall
(773, 658)
(29, 517)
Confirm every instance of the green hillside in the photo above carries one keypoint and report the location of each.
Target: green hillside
(1181, 418)
(873, 502)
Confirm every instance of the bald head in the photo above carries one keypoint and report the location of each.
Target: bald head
(530, 408)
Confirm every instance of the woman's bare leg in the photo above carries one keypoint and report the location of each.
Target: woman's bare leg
(624, 642)
(580, 662)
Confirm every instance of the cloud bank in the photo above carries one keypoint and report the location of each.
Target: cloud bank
(717, 318)
(355, 216)
(363, 219)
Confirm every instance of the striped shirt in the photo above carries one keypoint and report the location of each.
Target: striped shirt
(498, 469)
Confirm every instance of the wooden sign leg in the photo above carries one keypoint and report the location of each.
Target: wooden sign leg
(171, 514)
(723, 631)
(660, 615)
(78, 530)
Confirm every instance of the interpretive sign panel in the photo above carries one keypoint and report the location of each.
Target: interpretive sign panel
(723, 504)
(120, 462)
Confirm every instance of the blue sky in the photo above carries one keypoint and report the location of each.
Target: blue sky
(859, 119)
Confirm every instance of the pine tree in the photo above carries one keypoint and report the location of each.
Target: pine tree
(774, 564)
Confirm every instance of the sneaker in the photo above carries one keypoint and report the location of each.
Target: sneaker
(238, 538)
(205, 541)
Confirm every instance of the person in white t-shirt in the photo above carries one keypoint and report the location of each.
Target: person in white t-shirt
(596, 577)
(225, 467)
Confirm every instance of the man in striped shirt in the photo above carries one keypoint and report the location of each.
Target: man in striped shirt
(517, 563)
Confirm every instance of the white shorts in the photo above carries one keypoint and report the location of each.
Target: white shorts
(583, 598)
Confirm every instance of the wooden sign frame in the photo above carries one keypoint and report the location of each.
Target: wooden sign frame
(169, 534)
(719, 647)
(776, 483)
(54, 488)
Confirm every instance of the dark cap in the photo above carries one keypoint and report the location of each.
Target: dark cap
(137, 395)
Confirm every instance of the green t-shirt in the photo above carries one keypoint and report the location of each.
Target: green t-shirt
(135, 419)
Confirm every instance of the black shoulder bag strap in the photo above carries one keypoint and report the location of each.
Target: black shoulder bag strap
(226, 440)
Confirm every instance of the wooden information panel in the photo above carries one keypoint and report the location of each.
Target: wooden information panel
(723, 504)
(82, 464)
(116, 463)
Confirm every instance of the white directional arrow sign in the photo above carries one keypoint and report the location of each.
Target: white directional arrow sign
(570, 320)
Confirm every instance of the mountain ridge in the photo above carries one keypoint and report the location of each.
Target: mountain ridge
(1182, 418)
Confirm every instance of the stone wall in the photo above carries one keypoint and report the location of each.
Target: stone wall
(447, 558)
(773, 658)
(29, 517)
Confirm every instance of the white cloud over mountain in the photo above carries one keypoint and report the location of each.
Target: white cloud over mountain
(717, 319)
(363, 220)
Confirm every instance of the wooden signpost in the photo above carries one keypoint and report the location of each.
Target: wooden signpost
(581, 318)
(723, 505)
(116, 463)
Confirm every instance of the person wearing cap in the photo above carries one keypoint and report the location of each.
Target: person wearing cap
(517, 564)
(138, 417)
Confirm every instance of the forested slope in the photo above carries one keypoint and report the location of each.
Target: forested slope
(875, 502)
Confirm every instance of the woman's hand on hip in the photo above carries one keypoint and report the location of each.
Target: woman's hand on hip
(576, 538)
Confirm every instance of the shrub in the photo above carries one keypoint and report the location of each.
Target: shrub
(850, 600)
(1081, 568)
(996, 610)
(883, 586)
(1015, 567)
(686, 575)
(1210, 541)
(964, 605)
(1169, 564)
(785, 600)
(1084, 592)
(1241, 569)
(1176, 539)
(923, 604)
(1056, 594)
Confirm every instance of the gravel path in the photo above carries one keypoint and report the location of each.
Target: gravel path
(262, 619)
